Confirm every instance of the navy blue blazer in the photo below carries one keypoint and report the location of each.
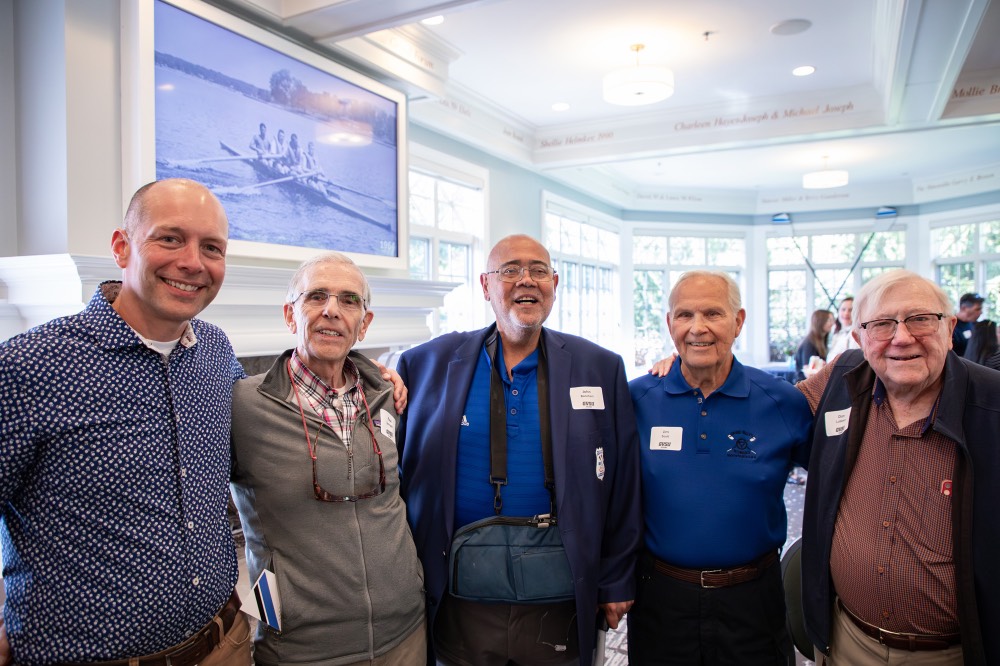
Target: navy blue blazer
(600, 520)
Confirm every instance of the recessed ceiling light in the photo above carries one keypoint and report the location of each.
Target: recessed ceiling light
(433, 20)
(804, 70)
(790, 27)
(560, 106)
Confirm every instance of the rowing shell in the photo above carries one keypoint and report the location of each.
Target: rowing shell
(275, 177)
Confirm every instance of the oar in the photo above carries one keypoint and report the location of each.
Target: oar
(348, 189)
(204, 160)
(247, 188)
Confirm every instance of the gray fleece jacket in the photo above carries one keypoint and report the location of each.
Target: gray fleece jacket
(350, 583)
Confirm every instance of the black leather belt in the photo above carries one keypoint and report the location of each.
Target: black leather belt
(718, 577)
(893, 639)
(192, 650)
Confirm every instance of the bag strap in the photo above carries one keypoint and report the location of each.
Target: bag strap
(498, 424)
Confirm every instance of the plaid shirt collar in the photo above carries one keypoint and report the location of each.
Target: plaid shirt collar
(338, 409)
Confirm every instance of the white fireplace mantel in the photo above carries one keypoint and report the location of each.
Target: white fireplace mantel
(248, 307)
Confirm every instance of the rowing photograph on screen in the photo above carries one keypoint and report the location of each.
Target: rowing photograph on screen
(297, 156)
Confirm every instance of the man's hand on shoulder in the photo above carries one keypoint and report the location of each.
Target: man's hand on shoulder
(662, 367)
(399, 391)
(614, 611)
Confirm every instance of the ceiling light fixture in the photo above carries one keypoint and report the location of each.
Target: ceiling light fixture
(824, 179)
(433, 20)
(790, 27)
(804, 70)
(639, 84)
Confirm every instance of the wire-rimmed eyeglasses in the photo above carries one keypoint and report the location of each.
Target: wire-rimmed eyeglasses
(318, 298)
(514, 273)
(917, 325)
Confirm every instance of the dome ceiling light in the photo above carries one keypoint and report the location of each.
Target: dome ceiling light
(824, 179)
(638, 85)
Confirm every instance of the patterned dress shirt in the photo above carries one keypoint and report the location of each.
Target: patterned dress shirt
(114, 471)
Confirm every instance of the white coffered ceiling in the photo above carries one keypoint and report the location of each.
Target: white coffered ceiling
(906, 93)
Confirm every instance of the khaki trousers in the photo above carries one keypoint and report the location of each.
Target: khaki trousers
(849, 646)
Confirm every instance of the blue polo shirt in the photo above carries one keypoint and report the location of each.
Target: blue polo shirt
(525, 493)
(714, 469)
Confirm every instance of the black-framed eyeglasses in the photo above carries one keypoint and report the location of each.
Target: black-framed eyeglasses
(514, 273)
(917, 325)
(318, 491)
(318, 298)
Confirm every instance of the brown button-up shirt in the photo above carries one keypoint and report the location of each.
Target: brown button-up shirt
(891, 560)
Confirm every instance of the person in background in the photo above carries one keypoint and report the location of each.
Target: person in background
(293, 162)
(316, 484)
(260, 143)
(970, 308)
(900, 532)
(717, 440)
(114, 457)
(278, 148)
(982, 343)
(814, 344)
(842, 338)
(549, 385)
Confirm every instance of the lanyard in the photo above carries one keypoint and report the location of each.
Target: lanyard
(498, 425)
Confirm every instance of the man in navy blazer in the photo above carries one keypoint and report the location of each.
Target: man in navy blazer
(444, 447)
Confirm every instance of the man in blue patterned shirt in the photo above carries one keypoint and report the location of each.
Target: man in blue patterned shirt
(114, 457)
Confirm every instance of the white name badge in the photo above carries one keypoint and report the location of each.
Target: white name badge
(587, 397)
(388, 425)
(666, 438)
(836, 422)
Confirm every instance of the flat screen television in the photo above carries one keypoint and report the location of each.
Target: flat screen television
(304, 153)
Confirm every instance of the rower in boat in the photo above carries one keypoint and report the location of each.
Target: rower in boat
(260, 144)
(277, 151)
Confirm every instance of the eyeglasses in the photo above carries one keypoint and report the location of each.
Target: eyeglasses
(918, 326)
(324, 496)
(318, 298)
(321, 494)
(514, 273)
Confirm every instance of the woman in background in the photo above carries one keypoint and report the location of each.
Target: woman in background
(842, 338)
(814, 344)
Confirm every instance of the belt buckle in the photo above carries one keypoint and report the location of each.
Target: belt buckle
(702, 582)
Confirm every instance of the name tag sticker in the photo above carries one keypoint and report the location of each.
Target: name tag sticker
(666, 439)
(388, 425)
(836, 422)
(587, 397)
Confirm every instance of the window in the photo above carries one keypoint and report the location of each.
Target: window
(967, 259)
(585, 251)
(815, 272)
(658, 261)
(447, 227)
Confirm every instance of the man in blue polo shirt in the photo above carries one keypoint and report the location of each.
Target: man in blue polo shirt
(717, 441)
(550, 391)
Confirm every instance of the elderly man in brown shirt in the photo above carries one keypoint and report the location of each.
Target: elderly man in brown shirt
(900, 547)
